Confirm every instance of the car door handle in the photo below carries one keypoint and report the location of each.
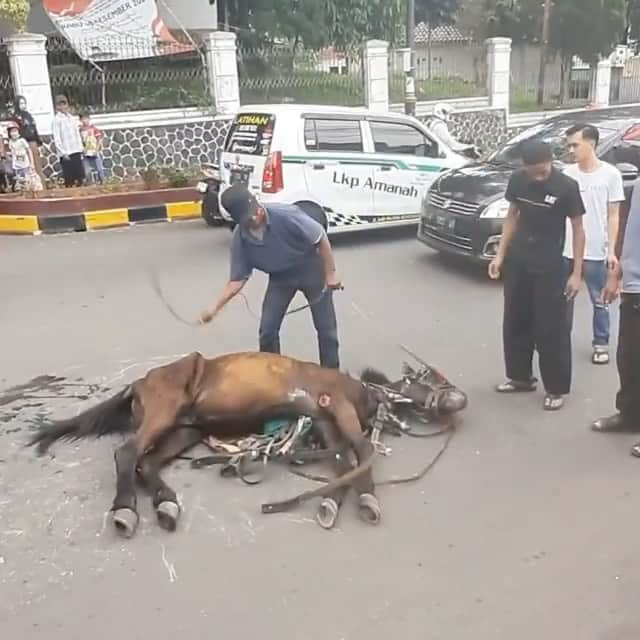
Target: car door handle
(318, 167)
(386, 168)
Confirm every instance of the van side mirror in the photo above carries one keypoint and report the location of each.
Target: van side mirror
(629, 171)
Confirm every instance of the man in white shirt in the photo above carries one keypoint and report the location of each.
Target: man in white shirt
(602, 192)
(69, 146)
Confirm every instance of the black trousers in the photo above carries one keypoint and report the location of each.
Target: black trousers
(536, 319)
(628, 359)
(278, 296)
(72, 170)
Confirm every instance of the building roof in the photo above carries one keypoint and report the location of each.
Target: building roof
(444, 34)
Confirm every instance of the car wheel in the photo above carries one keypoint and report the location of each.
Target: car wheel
(314, 211)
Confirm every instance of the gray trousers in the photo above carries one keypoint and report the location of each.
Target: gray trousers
(278, 296)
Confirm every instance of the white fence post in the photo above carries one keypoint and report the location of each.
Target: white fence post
(222, 70)
(602, 84)
(499, 72)
(30, 74)
(376, 75)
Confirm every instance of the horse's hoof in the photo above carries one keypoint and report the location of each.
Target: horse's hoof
(327, 513)
(369, 508)
(168, 513)
(125, 521)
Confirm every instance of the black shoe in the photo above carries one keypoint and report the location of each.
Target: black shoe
(635, 450)
(614, 423)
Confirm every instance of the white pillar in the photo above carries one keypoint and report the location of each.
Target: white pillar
(376, 75)
(222, 70)
(498, 72)
(602, 84)
(30, 73)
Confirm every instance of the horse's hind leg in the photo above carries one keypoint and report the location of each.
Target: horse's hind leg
(164, 497)
(329, 508)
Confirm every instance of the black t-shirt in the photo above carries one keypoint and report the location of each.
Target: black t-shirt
(544, 208)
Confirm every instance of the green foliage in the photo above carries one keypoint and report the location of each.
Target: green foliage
(16, 11)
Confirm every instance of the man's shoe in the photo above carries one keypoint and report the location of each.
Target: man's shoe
(635, 450)
(613, 424)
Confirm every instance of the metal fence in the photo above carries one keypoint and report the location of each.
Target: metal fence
(625, 82)
(524, 89)
(441, 72)
(176, 79)
(7, 97)
(282, 73)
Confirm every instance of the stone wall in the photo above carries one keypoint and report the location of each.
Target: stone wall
(183, 142)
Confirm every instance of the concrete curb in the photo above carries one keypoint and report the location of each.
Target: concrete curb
(94, 220)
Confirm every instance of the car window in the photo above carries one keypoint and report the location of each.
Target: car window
(251, 133)
(553, 133)
(401, 139)
(332, 135)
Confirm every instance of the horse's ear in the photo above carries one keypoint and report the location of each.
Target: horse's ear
(407, 370)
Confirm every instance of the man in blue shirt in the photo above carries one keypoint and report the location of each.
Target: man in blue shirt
(286, 243)
(625, 280)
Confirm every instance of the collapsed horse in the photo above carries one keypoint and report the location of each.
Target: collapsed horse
(175, 406)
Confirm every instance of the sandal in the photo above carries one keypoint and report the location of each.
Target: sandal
(600, 356)
(516, 386)
(553, 403)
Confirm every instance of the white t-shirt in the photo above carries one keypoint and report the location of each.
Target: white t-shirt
(598, 189)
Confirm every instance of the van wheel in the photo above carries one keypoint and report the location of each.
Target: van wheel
(315, 212)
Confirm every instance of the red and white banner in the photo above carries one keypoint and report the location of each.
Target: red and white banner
(113, 29)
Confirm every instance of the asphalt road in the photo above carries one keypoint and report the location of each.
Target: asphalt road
(527, 528)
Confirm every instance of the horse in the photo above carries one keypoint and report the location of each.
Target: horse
(173, 407)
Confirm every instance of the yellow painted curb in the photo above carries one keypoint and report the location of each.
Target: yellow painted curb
(19, 224)
(107, 218)
(184, 210)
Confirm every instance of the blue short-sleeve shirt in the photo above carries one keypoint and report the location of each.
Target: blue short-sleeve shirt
(289, 242)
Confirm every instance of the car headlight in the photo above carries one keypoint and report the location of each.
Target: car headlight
(496, 210)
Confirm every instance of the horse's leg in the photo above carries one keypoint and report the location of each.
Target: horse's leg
(124, 508)
(164, 497)
(329, 508)
(347, 421)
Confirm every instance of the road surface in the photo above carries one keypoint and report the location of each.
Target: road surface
(527, 527)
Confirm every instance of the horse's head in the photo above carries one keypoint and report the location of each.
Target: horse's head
(429, 389)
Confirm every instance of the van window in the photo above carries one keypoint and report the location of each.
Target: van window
(251, 133)
(401, 139)
(333, 135)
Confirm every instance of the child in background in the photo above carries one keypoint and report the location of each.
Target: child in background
(92, 140)
(22, 160)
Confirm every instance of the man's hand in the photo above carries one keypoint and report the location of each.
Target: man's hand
(208, 315)
(333, 281)
(573, 286)
(612, 262)
(495, 268)
(612, 288)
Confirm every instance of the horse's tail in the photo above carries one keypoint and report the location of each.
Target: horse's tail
(112, 415)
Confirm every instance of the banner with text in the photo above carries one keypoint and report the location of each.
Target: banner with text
(113, 29)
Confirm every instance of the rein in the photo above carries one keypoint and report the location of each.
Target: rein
(157, 288)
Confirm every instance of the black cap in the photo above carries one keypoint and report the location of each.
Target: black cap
(239, 203)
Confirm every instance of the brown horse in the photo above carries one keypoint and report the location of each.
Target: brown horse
(174, 406)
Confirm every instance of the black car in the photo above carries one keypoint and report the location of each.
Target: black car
(464, 209)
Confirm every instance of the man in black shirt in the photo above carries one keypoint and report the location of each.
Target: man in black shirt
(536, 289)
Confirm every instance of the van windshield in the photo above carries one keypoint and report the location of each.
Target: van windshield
(553, 133)
(251, 133)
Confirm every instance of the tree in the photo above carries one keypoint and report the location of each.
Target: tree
(16, 11)
(585, 28)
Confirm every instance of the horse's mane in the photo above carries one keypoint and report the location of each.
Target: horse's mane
(374, 376)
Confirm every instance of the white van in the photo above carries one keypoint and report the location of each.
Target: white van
(349, 167)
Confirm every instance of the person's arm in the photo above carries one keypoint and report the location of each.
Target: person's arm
(509, 227)
(239, 273)
(575, 211)
(313, 233)
(616, 197)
